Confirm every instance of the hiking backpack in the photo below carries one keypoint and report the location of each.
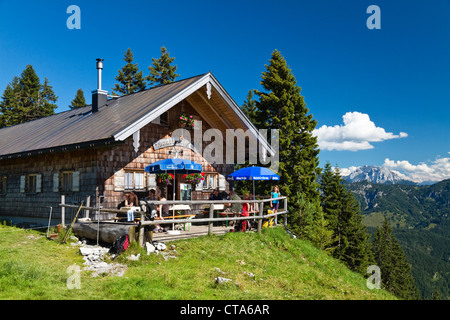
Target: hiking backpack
(121, 244)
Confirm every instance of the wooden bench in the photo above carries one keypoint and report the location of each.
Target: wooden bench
(187, 216)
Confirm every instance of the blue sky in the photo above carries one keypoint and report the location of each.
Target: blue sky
(391, 85)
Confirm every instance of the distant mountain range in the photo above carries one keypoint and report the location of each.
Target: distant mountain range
(376, 174)
(420, 218)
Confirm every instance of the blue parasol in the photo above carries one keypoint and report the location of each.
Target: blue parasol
(253, 173)
(178, 165)
(175, 166)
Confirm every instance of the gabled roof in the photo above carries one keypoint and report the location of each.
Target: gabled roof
(114, 122)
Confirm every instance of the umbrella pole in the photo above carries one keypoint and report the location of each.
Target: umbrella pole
(254, 198)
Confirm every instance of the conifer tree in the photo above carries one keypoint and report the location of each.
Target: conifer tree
(341, 210)
(250, 110)
(10, 107)
(396, 275)
(312, 224)
(130, 79)
(282, 107)
(161, 70)
(26, 99)
(79, 101)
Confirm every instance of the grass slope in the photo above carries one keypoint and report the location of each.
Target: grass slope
(32, 267)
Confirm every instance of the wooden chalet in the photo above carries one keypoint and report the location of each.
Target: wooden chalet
(101, 150)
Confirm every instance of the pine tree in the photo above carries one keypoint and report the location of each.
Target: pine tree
(130, 79)
(351, 241)
(282, 107)
(250, 110)
(311, 224)
(10, 107)
(79, 100)
(161, 71)
(26, 99)
(396, 274)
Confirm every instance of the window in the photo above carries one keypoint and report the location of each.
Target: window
(31, 183)
(3, 185)
(134, 180)
(210, 181)
(66, 181)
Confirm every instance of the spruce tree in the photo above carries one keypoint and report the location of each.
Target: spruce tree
(161, 70)
(281, 106)
(250, 110)
(341, 210)
(10, 107)
(130, 79)
(312, 224)
(26, 99)
(396, 275)
(79, 101)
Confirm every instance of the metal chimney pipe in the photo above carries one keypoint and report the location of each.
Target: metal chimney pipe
(99, 96)
(99, 73)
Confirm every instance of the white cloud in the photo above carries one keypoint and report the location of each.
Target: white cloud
(357, 133)
(436, 170)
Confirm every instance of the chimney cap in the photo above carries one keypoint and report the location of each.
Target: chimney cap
(99, 63)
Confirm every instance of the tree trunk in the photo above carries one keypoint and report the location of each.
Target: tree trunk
(109, 231)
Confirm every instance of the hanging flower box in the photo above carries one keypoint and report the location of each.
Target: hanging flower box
(194, 178)
(186, 121)
(165, 178)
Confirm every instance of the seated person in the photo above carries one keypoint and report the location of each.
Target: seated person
(215, 195)
(233, 207)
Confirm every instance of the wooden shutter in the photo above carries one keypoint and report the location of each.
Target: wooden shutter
(22, 183)
(119, 180)
(151, 180)
(38, 182)
(76, 181)
(221, 182)
(56, 182)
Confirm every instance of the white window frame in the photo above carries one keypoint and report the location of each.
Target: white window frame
(135, 180)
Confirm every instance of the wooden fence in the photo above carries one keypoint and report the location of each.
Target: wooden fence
(282, 210)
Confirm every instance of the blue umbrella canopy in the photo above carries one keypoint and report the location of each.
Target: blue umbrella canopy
(177, 165)
(253, 173)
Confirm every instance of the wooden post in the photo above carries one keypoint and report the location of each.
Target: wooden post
(211, 216)
(141, 231)
(88, 204)
(260, 214)
(63, 211)
(286, 210)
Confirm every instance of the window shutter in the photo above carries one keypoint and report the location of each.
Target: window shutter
(39, 183)
(76, 181)
(151, 180)
(56, 182)
(221, 182)
(119, 180)
(22, 183)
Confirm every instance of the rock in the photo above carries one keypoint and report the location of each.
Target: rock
(160, 246)
(150, 248)
(220, 280)
(134, 257)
